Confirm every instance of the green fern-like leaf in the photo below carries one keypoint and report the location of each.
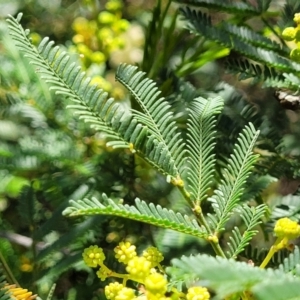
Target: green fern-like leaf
(200, 144)
(151, 214)
(157, 114)
(240, 8)
(286, 207)
(201, 24)
(246, 69)
(92, 105)
(280, 288)
(291, 264)
(251, 37)
(67, 79)
(228, 194)
(227, 277)
(252, 217)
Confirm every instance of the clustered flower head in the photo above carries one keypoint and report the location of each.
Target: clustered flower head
(96, 39)
(286, 228)
(144, 269)
(93, 256)
(125, 252)
(19, 293)
(197, 293)
(293, 34)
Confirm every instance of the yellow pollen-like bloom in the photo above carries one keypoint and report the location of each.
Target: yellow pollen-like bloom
(153, 255)
(289, 33)
(197, 293)
(112, 290)
(93, 256)
(139, 268)
(286, 228)
(156, 284)
(297, 18)
(125, 294)
(106, 18)
(125, 252)
(114, 5)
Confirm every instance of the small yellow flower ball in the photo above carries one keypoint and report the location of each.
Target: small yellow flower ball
(106, 18)
(80, 24)
(197, 293)
(83, 49)
(105, 33)
(139, 268)
(156, 284)
(286, 228)
(153, 255)
(93, 256)
(98, 57)
(112, 290)
(114, 5)
(78, 38)
(125, 294)
(297, 18)
(125, 252)
(289, 33)
(121, 25)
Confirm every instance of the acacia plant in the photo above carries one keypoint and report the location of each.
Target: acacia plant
(217, 187)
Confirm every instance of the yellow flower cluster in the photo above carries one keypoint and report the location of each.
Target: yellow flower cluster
(293, 34)
(286, 228)
(96, 39)
(197, 293)
(145, 270)
(19, 293)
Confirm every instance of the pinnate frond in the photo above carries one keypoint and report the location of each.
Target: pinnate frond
(165, 153)
(246, 69)
(200, 144)
(228, 194)
(241, 8)
(150, 214)
(201, 24)
(252, 37)
(227, 277)
(291, 264)
(252, 216)
(157, 114)
(66, 79)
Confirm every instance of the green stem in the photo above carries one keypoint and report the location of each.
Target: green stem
(270, 254)
(202, 221)
(9, 275)
(280, 243)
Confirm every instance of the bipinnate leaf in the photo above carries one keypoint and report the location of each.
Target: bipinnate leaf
(143, 212)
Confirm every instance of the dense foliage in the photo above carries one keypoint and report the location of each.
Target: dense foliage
(171, 124)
